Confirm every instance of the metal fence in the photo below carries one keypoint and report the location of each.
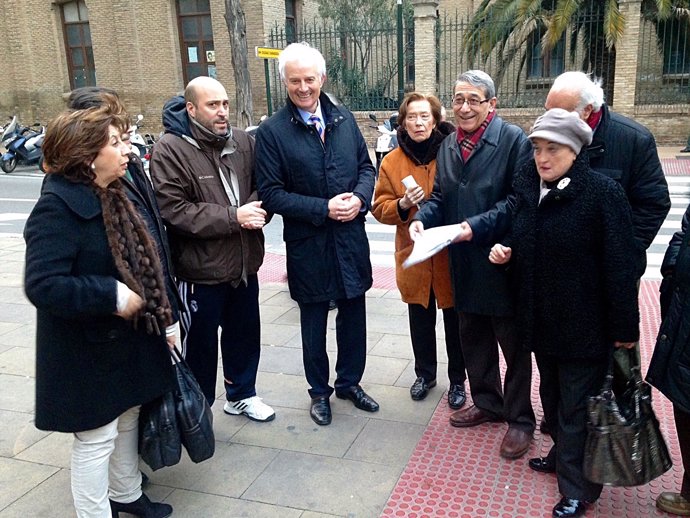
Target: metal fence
(522, 73)
(663, 69)
(361, 66)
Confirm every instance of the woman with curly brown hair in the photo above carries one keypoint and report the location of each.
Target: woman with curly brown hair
(96, 280)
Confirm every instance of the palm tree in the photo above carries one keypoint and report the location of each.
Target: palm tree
(508, 29)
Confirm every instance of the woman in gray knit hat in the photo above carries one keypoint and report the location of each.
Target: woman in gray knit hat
(569, 247)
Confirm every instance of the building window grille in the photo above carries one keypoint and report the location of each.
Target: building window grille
(291, 21)
(548, 65)
(75, 27)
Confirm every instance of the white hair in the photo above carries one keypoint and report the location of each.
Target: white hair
(588, 89)
(304, 54)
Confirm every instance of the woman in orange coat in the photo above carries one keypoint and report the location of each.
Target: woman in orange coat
(427, 284)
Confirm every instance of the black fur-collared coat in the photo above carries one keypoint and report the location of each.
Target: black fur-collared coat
(91, 365)
(574, 261)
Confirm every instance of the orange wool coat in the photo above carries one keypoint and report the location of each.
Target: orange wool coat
(416, 281)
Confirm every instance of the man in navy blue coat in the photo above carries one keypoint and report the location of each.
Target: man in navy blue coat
(313, 168)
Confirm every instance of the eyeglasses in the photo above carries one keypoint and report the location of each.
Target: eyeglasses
(412, 117)
(472, 102)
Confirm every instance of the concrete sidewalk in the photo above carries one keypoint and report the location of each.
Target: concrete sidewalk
(404, 460)
(289, 467)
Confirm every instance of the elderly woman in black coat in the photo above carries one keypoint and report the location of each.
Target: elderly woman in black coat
(95, 277)
(669, 369)
(572, 239)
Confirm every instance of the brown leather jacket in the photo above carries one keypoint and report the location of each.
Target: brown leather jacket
(207, 244)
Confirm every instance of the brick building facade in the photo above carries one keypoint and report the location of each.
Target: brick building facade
(143, 50)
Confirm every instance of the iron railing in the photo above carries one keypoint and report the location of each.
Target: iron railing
(361, 66)
(522, 73)
(663, 66)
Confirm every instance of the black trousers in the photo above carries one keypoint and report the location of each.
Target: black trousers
(236, 312)
(566, 384)
(480, 337)
(423, 335)
(351, 339)
(682, 419)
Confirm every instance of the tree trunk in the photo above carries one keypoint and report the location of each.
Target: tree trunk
(237, 29)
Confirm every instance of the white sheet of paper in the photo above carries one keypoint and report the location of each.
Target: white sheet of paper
(431, 242)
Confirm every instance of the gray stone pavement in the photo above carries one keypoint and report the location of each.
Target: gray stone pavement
(289, 467)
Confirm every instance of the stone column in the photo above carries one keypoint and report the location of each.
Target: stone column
(625, 82)
(425, 45)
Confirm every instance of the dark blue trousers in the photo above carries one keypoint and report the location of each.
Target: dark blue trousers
(236, 312)
(351, 338)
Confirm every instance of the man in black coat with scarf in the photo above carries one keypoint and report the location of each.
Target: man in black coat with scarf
(472, 190)
(313, 168)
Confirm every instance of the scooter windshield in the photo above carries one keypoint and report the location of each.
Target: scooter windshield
(10, 129)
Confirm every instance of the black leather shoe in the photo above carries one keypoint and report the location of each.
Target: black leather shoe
(360, 398)
(456, 396)
(320, 411)
(420, 388)
(569, 508)
(143, 508)
(542, 465)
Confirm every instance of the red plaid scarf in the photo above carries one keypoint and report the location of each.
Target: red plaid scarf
(468, 141)
(594, 119)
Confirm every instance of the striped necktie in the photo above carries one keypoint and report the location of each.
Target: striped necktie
(316, 121)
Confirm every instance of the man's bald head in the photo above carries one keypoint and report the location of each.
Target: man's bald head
(207, 104)
(198, 84)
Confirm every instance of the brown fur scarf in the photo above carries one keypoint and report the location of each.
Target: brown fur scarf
(136, 257)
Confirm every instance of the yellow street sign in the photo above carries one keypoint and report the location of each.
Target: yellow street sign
(267, 52)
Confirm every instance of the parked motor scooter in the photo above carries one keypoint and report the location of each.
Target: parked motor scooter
(139, 145)
(22, 144)
(387, 140)
(251, 130)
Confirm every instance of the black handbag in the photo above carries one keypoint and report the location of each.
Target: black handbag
(194, 416)
(624, 445)
(160, 443)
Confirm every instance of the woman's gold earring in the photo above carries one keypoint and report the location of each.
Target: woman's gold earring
(93, 166)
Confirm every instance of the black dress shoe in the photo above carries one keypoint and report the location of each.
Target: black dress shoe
(569, 508)
(456, 396)
(542, 465)
(360, 398)
(320, 411)
(420, 388)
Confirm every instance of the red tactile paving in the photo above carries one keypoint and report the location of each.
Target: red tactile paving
(675, 166)
(458, 473)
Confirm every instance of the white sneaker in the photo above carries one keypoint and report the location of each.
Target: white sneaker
(252, 407)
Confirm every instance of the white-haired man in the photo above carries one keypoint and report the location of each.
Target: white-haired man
(313, 168)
